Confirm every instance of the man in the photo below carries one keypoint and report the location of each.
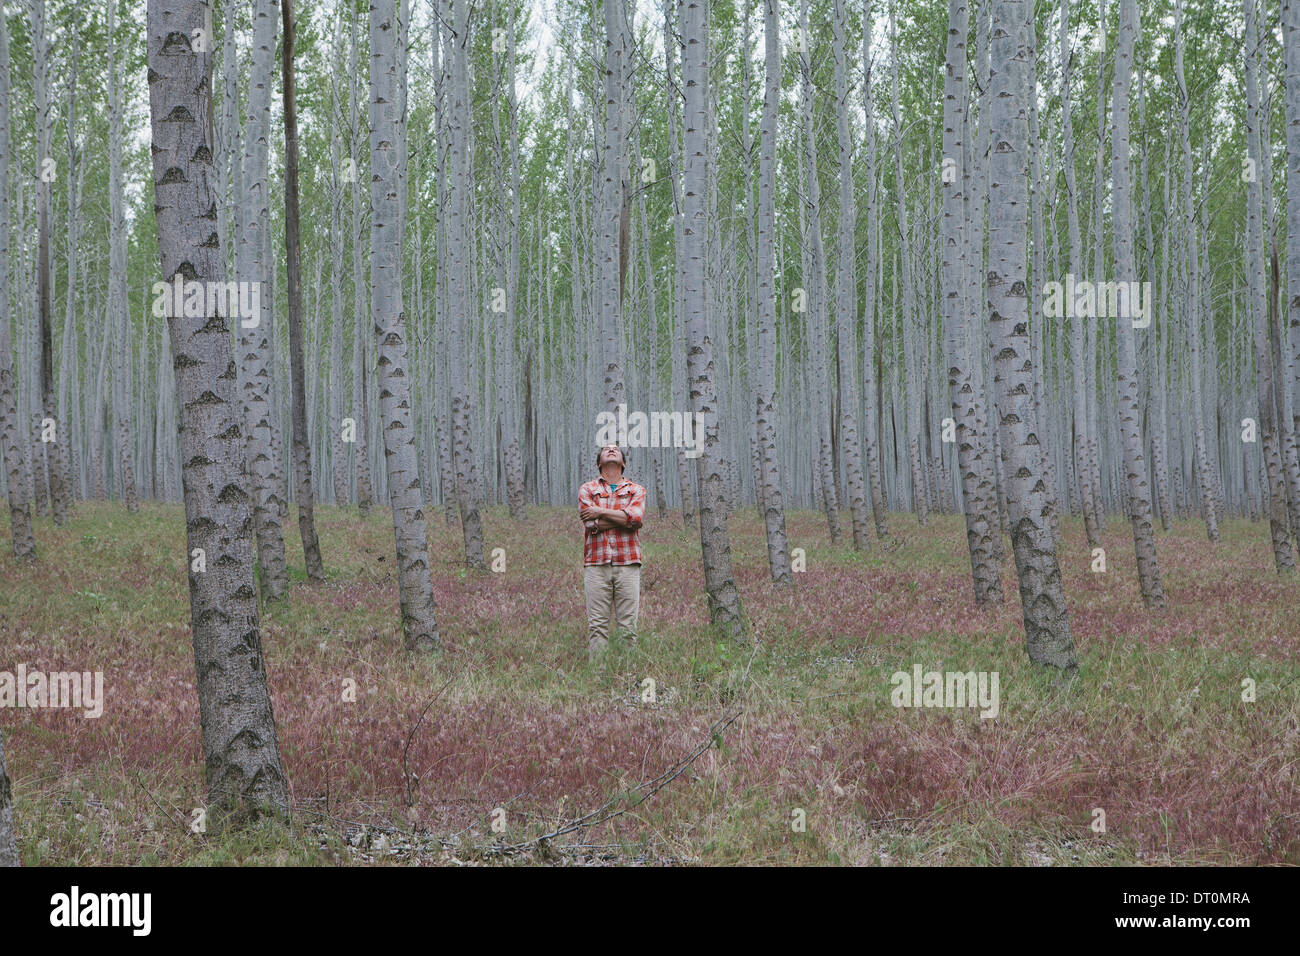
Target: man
(611, 508)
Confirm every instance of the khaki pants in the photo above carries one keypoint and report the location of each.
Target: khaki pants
(613, 591)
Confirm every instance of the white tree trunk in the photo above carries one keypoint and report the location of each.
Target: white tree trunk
(419, 625)
(239, 739)
(12, 443)
(972, 444)
(256, 369)
(1042, 598)
(724, 598)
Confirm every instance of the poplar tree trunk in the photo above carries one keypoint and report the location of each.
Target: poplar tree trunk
(1042, 598)
(8, 846)
(715, 545)
(912, 364)
(814, 286)
(460, 269)
(1130, 410)
(419, 626)
(254, 340)
(56, 448)
(11, 425)
(846, 294)
(119, 318)
(337, 373)
(871, 419)
(293, 258)
(1079, 391)
(69, 348)
(770, 495)
(686, 476)
(360, 389)
(442, 433)
(975, 195)
(240, 748)
(1283, 559)
(609, 276)
(1092, 331)
(1190, 302)
(512, 454)
(971, 444)
(1291, 42)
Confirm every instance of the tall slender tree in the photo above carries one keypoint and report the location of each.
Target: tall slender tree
(1189, 301)
(254, 334)
(119, 317)
(1291, 42)
(419, 625)
(460, 265)
(715, 544)
(846, 290)
(1138, 484)
(293, 259)
(8, 845)
(814, 284)
(51, 433)
(360, 368)
(240, 748)
(769, 474)
(609, 255)
(971, 443)
(1042, 597)
(870, 381)
(1283, 559)
(12, 443)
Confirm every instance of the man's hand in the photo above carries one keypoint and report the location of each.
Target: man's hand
(605, 518)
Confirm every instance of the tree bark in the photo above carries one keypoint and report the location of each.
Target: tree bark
(1291, 42)
(360, 387)
(715, 545)
(254, 340)
(293, 258)
(11, 425)
(971, 443)
(1269, 437)
(770, 495)
(460, 268)
(814, 286)
(8, 845)
(240, 748)
(419, 625)
(1130, 409)
(846, 293)
(51, 433)
(1042, 598)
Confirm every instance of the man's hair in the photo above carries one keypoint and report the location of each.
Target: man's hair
(621, 452)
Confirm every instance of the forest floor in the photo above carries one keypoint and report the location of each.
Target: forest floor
(512, 725)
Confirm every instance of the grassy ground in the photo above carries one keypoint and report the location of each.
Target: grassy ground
(1153, 731)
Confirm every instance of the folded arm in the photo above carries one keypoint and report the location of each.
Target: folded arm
(629, 517)
(585, 504)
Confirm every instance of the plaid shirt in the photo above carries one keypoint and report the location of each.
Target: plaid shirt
(617, 545)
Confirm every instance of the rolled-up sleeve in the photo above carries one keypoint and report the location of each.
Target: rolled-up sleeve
(635, 511)
(586, 501)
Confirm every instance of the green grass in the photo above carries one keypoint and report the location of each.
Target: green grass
(1152, 730)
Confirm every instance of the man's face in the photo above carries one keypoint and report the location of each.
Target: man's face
(611, 454)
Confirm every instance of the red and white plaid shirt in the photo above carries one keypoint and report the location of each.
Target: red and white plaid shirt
(615, 545)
